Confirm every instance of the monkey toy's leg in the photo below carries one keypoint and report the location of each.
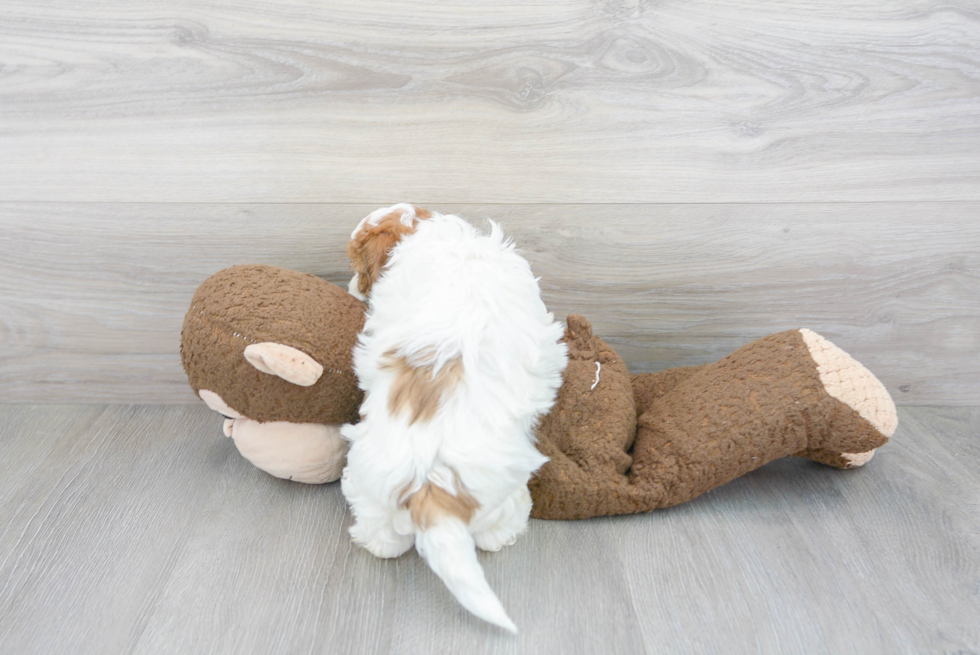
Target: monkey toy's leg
(791, 393)
(696, 428)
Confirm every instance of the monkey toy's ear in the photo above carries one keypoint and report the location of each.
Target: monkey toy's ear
(290, 364)
(299, 331)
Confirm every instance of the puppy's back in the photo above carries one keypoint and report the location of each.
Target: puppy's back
(452, 292)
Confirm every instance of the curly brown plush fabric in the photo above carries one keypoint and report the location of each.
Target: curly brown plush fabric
(587, 435)
(617, 443)
(242, 305)
(697, 427)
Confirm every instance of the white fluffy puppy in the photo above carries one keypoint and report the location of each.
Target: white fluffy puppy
(458, 359)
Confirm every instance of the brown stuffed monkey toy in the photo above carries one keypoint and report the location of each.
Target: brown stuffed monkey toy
(270, 349)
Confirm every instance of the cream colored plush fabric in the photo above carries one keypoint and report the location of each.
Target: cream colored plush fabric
(851, 383)
(218, 404)
(291, 364)
(305, 452)
(313, 453)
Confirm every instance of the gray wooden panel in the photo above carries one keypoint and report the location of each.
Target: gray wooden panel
(93, 531)
(92, 295)
(562, 583)
(795, 559)
(271, 569)
(896, 285)
(28, 434)
(500, 101)
(144, 532)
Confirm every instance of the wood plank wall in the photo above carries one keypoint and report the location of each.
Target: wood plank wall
(688, 175)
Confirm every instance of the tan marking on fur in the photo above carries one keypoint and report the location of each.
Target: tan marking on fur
(370, 248)
(418, 387)
(431, 503)
(848, 381)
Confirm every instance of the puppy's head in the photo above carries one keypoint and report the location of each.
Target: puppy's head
(373, 239)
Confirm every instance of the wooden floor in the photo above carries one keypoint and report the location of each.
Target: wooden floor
(690, 175)
(139, 529)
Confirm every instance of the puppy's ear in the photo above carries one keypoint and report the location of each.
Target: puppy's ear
(371, 245)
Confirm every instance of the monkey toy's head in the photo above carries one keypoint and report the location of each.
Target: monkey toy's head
(270, 350)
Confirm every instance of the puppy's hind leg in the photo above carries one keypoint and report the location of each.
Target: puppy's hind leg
(502, 526)
(373, 527)
(380, 538)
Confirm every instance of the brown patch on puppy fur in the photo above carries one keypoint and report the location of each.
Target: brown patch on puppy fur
(418, 387)
(370, 248)
(430, 503)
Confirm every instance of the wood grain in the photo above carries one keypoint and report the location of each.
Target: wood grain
(502, 101)
(28, 434)
(848, 580)
(689, 175)
(141, 530)
(93, 530)
(92, 295)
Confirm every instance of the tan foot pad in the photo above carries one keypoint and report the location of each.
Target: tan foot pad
(848, 381)
(858, 459)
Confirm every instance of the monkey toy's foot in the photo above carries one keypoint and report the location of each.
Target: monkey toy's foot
(850, 383)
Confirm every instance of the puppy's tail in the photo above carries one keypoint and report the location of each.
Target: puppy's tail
(448, 547)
